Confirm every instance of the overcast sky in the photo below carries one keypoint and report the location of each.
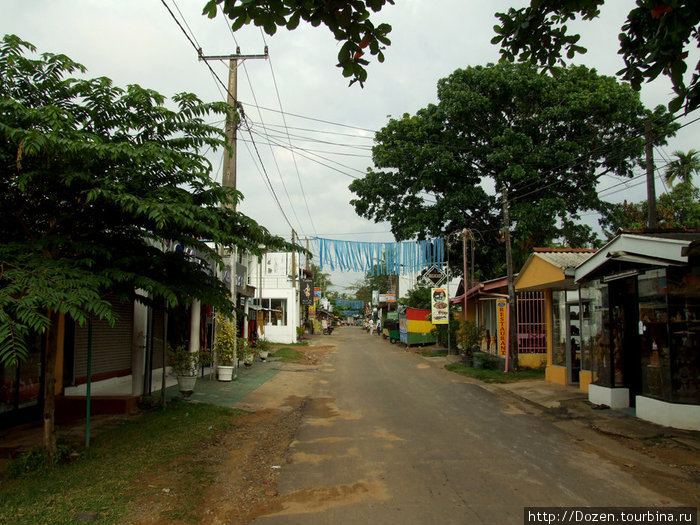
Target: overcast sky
(330, 125)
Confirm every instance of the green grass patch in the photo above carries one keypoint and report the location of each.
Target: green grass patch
(430, 353)
(110, 475)
(288, 355)
(286, 345)
(495, 376)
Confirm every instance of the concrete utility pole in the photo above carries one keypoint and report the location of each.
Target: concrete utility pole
(229, 175)
(651, 187)
(512, 353)
(228, 178)
(466, 275)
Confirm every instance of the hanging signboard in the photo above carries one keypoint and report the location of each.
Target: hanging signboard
(434, 275)
(439, 307)
(387, 298)
(307, 292)
(317, 292)
(501, 310)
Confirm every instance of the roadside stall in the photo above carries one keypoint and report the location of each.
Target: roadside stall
(415, 328)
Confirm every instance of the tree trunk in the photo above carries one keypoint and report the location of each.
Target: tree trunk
(49, 385)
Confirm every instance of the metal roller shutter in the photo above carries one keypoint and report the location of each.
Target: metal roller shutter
(111, 346)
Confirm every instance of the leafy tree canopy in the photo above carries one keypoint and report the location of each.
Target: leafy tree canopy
(380, 282)
(97, 186)
(654, 40)
(418, 297)
(543, 139)
(348, 20)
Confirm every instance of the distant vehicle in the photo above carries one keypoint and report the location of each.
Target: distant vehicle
(391, 330)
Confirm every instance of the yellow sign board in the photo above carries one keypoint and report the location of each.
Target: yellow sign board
(501, 310)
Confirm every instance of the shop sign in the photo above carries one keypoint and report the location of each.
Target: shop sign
(501, 310)
(307, 292)
(317, 292)
(435, 275)
(438, 306)
(387, 298)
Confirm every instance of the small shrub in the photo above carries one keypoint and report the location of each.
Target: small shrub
(37, 459)
(469, 338)
(486, 361)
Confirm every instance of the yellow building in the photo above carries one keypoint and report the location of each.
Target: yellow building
(551, 271)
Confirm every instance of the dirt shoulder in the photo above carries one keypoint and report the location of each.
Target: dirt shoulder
(236, 478)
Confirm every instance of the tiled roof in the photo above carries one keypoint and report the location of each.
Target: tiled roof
(565, 258)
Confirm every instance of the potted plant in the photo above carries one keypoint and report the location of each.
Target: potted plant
(184, 365)
(263, 348)
(225, 348)
(246, 352)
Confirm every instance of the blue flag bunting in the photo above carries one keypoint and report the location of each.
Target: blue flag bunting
(380, 257)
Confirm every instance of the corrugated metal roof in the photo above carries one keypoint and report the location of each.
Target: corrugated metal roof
(562, 259)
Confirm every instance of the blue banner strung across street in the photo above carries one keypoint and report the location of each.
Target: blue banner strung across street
(379, 257)
(351, 304)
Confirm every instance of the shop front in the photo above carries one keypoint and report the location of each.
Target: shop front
(644, 326)
(562, 330)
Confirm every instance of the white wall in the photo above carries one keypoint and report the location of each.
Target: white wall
(277, 284)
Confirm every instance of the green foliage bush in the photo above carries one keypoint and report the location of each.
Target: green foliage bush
(37, 459)
(225, 343)
(486, 361)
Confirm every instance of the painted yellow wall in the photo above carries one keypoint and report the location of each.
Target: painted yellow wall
(556, 374)
(548, 323)
(532, 360)
(585, 378)
(538, 273)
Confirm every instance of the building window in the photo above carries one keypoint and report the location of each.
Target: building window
(591, 324)
(531, 325)
(559, 328)
(653, 334)
(275, 312)
(684, 324)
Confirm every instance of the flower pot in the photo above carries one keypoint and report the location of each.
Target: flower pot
(185, 385)
(263, 355)
(225, 373)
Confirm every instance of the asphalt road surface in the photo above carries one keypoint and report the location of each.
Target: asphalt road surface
(387, 438)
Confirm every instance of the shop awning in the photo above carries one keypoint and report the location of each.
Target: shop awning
(634, 251)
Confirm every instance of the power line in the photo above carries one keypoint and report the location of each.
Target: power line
(284, 120)
(238, 106)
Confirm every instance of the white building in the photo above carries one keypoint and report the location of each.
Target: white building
(277, 290)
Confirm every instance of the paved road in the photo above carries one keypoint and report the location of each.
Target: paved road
(387, 438)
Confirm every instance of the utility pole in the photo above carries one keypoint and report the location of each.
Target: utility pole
(512, 353)
(651, 187)
(466, 275)
(229, 175)
(228, 178)
(294, 264)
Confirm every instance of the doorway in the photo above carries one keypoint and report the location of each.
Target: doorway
(624, 337)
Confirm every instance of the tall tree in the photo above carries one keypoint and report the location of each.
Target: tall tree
(683, 167)
(543, 139)
(97, 185)
(321, 279)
